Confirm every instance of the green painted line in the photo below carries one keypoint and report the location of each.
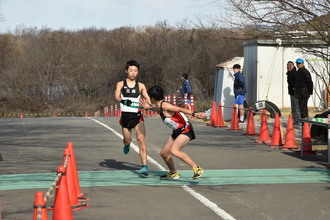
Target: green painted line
(210, 177)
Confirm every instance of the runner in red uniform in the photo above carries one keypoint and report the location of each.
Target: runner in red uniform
(183, 132)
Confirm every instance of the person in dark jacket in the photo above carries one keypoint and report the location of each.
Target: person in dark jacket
(185, 90)
(291, 78)
(239, 90)
(303, 87)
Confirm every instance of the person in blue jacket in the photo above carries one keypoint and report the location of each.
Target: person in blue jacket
(239, 90)
(186, 89)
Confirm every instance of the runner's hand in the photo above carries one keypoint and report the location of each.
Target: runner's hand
(200, 114)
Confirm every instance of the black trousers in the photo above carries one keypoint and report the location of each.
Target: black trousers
(303, 107)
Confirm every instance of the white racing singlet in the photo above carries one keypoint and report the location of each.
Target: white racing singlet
(132, 94)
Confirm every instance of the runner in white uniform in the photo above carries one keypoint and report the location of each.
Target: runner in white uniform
(128, 93)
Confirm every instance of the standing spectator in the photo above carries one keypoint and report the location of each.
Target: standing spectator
(185, 89)
(291, 77)
(239, 90)
(303, 87)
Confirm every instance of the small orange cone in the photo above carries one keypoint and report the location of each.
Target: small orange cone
(86, 114)
(234, 120)
(213, 114)
(80, 195)
(307, 141)
(54, 115)
(250, 128)
(290, 140)
(264, 132)
(276, 137)
(62, 208)
(21, 115)
(219, 123)
(40, 211)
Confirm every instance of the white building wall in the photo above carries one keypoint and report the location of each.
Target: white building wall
(265, 73)
(224, 81)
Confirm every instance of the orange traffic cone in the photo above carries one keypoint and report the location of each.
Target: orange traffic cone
(54, 115)
(289, 142)
(234, 120)
(213, 114)
(219, 123)
(62, 208)
(307, 141)
(86, 114)
(80, 195)
(71, 183)
(40, 211)
(276, 137)
(250, 128)
(21, 115)
(264, 133)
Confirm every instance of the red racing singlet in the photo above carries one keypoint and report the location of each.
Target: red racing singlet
(177, 121)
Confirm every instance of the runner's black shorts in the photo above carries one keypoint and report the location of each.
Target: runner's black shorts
(130, 120)
(189, 131)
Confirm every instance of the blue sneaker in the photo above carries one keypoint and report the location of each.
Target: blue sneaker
(126, 149)
(144, 170)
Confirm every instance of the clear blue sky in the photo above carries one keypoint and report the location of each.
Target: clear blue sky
(109, 14)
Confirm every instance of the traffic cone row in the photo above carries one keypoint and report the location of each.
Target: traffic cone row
(276, 141)
(68, 196)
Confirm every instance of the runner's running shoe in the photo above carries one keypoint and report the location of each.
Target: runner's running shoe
(126, 149)
(144, 170)
(198, 171)
(170, 176)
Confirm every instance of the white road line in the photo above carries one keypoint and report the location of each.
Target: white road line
(213, 206)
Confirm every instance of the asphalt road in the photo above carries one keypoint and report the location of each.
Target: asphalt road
(242, 180)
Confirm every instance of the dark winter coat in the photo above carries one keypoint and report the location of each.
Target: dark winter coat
(303, 84)
(239, 84)
(291, 79)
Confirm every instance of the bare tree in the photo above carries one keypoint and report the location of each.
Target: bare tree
(296, 21)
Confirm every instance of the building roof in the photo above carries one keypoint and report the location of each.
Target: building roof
(229, 63)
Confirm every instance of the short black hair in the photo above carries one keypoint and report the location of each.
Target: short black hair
(156, 92)
(237, 66)
(132, 63)
(184, 75)
(290, 62)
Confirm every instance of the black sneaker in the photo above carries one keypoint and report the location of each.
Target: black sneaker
(241, 121)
